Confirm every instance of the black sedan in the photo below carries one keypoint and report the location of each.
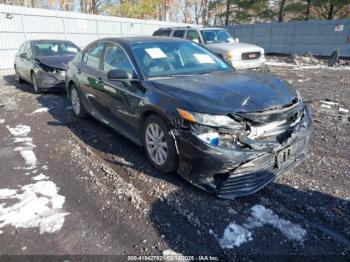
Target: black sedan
(228, 132)
(43, 63)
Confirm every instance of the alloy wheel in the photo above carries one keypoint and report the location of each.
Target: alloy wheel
(75, 101)
(156, 144)
(35, 83)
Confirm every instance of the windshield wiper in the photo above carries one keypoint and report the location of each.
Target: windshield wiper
(169, 76)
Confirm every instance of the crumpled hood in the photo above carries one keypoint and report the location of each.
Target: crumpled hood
(60, 62)
(229, 92)
(237, 47)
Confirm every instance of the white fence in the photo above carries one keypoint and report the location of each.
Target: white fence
(18, 24)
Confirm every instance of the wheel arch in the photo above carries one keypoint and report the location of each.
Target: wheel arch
(69, 86)
(148, 112)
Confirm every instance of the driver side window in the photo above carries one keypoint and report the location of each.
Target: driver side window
(92, 57)
(115, 58)
(193, 36)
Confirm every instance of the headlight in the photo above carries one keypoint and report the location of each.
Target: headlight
(62, 73)
(48, 69)
(209, 120)
(217, 130)
(229, 56)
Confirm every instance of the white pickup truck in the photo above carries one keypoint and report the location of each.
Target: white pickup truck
(220, 42)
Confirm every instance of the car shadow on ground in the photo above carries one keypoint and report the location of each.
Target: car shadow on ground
(185, 216)
(114, 148)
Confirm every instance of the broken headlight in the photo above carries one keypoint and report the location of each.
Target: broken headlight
(209, 120)
(217, 130)
(53, 70)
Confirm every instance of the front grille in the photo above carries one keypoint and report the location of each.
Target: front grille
(249, 177)
(288, 112)
(251, 55)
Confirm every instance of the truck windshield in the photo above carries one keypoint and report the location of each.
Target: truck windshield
(216, 36)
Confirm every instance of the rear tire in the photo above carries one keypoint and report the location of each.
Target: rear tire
(159, 145)
(35, 84)
(78, 107)
(17, 77)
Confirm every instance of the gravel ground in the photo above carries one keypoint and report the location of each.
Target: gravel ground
(116, 203)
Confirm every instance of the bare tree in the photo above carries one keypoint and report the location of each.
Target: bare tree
(205, 12)
(281, 10)
(227, 13)
(198, 10)
(187, 11)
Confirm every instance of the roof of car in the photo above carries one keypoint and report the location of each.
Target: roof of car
(48, 40)
(194, 28)
(144, 39)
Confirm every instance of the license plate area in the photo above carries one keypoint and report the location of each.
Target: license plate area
(285, 156)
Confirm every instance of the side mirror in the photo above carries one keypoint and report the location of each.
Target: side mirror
(117, 74)
(196, 40)
(23, 55)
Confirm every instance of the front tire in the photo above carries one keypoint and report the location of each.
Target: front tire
(78, 107)
(159, 145)
(35, 84)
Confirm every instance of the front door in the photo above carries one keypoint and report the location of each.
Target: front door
(118, 100)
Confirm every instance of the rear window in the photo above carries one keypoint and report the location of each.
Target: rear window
(162, 33)
(179, 33)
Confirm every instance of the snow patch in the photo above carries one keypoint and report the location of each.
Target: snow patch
(19, 130)
(171, 255)
(326, 106)
(343, 110)
(20, 133)
(301, 67)
(330, 103)
(287, 228)
(6, 193)
(38, 205)
(235, 235)
(2, 121)
(40, 110)
(28, 155)
(39, 177)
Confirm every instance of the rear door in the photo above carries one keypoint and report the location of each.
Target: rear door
(18, 59)
(24, 65)
(89, 76)
(27, 64)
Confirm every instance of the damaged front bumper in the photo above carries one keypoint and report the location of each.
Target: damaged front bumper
(51, 81)
(239, 171)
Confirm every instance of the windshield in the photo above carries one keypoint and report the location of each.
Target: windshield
(159, 59)
(216, 36)
(55, 49)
